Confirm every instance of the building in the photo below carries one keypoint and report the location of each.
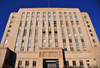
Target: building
(49, 38)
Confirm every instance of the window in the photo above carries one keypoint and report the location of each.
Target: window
(82, 40)
(74, 63)
(64, 40)
(71, 48)
(7, 35)
(8, 30)
(76, 40)
(93, 40)
(84, 16)
(67, 63)
(6, 41)
(91, 34)
(11, 22)
(23, 41)
(88, 25)
(24, 34)
(65, 49)
(17, 41)
(67, 24)
(81, 63)
(27, 63)
(34, 63)
(70, 40)
(88, 63)
(90, 30)
(56, 40)
(87, 22)
(12, 16)
(95, 45)
(19, 64)
(10, 26)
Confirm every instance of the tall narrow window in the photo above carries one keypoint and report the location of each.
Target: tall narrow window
(81, 36)
(19, 31)
(62, 29)
(27, 64)
(55, 30)
(30, 32)
(68, 29)
(76, 39)
(74, 63)
(19, 64)
(70, 16)
(34, 64)
(81, 63)
(75, 16)
(36, 32)
(67, 63)
(88, 63)
(44, 32)
(49, 29)
(25, 30)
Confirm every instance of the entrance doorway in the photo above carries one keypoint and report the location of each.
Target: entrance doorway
(50, 63)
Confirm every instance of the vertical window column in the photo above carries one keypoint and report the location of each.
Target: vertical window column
(79, 29)
(44, 32)
(63, 33)
(19, 31)
(49, 29)
(36, 32)
(30, 32)
(55, 30)
(25, 30)
(69, 34)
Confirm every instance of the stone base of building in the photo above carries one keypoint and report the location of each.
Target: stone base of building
(48, 57)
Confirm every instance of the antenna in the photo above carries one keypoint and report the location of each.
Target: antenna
(48, 4)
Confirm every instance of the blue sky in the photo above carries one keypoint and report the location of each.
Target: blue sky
(90, 6)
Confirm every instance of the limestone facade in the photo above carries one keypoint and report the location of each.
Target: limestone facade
(79, 46)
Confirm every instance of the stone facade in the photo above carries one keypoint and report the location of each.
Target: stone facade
(87, 50)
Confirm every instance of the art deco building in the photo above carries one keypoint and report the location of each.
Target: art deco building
(49, 38)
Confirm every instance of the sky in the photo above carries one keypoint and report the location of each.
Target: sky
(92, 7)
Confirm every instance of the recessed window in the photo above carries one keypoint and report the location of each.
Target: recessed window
(93, 40)
(11, 22)
(6, 41)
(70, 40)
(74, 63)
(8, 30)
(91, 34)
(12, 16)
(87, 22)
(64, 40)
(88, 25)
(95, 45)
(65, 49)
(90, 30)
(56, 40)
(34, 63)
(84, 16)
(10, 26)
(19, 64)
(7, 35)
(27, 63)
(56, 32)
(81, 63)
(82, 40)
(67, 63)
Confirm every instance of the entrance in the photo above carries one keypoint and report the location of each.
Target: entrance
(50, 63)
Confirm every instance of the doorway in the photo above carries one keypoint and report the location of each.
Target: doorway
(50, 63)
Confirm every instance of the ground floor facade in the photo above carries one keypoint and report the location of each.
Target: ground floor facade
(49, 58)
